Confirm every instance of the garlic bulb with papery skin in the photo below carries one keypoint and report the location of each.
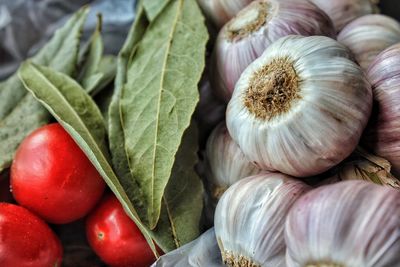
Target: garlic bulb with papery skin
(250, 216)
(202, 252)
(383, 132)
(301, 107)
(348, 224)
(369, 35)
(227, 163)
(221, 11)
(245, 37)
(342, 12)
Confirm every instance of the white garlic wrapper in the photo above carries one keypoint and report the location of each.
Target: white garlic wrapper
(383, 133)
(227, 163)
(221, 11)
(245, 37)
(202, 252)
(369, 35)
(250, 216)
(348, 224)
(342, 12)
(301, 107)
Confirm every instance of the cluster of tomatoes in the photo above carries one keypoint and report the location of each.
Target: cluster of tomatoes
(53, 181)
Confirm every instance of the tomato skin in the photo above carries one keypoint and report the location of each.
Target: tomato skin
(26, 240)
(115, 238)
(52, 177)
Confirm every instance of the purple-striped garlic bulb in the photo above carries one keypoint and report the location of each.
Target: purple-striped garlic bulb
(226, 162)
(342, 12)
(301, 107)
(202, 252)
(245, 37)
(383, 132)
(347, 224)
(221, 11)
(369, 35)
(250, 217)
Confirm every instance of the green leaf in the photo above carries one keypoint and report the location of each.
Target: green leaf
(20, 113)
(160, 97)
(183, 198)
(97, 71)
(154, 7)
(116, 135)
(75, 110)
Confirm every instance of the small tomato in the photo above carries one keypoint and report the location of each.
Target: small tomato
(52, 177)
(115, 238)
(25, 240)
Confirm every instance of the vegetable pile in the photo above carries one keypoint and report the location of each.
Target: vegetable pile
(277, 138)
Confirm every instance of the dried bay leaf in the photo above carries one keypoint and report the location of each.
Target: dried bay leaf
(97, 70)
(75, 110)
(20, 113)
(116, 134)
(154, 7)
(183, 198)
(160, 96)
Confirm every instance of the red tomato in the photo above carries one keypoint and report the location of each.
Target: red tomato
(25, 240)
(52, 177)
(115, 238)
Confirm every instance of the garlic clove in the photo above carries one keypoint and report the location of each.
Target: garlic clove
(201, 252)
(250, 217)
(227, 163)
(301, 107)
(369, 35)
(347, 224)
(341, 12)
(383, 132)
(245, 37)
(221, 11)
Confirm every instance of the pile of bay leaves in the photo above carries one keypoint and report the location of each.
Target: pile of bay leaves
(137, 130)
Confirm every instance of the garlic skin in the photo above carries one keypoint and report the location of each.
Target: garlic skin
(364, 166)
(347, 224)
(383, 132)
(221, 11)
(341, 12)
(369, 35)
(245, 37)
(250, 216)
(301, 107)
(201, 252)
(227, 163)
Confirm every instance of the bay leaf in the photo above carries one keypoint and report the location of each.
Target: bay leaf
(160, 96)
(116, 135)
(154, 7)
(75, 110)
(20, 113)
(183, 198)
(96, 70)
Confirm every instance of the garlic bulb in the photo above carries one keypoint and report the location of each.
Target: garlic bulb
(364, 166)
(342, 12)
(227, 163)
(383, 133)
(245, 37)
(348, 224)
(201, 252)
(221, 11)
(369, 35)
(250, 217)
(301, 107)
